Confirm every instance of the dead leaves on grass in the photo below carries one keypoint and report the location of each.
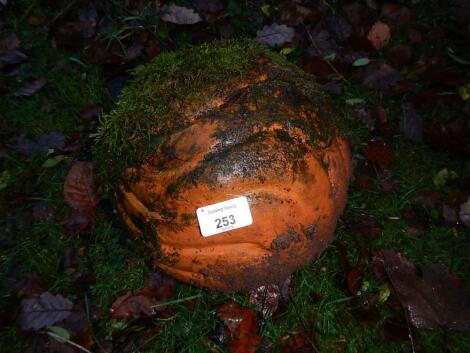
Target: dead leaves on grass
(428, 293)
(242, 327)
(81, 195)
(43, 311)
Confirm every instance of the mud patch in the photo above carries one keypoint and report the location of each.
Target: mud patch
(283, 241)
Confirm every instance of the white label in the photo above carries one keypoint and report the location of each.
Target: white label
(224, 216)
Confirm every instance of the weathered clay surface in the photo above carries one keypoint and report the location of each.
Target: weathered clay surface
(261, 136)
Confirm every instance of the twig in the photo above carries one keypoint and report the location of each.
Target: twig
(66, 340)
(177, 301)
(326, 61)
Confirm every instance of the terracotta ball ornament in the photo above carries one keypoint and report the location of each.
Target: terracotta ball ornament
(218, 122)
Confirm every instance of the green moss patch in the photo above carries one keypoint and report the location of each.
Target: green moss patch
(148, 109)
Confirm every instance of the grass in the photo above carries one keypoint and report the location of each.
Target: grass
(117, 263)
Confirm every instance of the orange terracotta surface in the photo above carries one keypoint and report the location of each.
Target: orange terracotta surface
(269, 142)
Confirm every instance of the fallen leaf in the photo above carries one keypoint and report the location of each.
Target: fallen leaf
(79, 31)
(395, 13)
(23, 145)
(353, 279)
(242, 324)
(43, 311)
(11, 57)
(179, 14)
(429, 296)
(294, 14)
(31, 285)
(379, 35)
(378, 152)
(30, 88)
(298, 341)
(52, 140)
(361, 62)
(81, 195)
(80, 192)
(266, 299)
(275, 34)
(160, 288)
(380, 75)
(339, 27)
(88, 17)
(411, 123)
(134, 304)
(78, 326)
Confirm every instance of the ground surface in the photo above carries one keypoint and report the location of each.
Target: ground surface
(72, 278)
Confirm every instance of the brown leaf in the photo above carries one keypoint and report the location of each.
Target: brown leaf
(30, 88)
(141, 302)
(378, 152)
(242, 326)
(31, 285)
(79, 189)
(266, 299)
(43, 311)
(379, 35)
(353, 278)
(297, 342)
(294, 14)
(78, 326)
(411, 123)
(380, 75)
(429, 296)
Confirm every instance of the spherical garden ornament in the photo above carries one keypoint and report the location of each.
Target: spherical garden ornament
(227, 162)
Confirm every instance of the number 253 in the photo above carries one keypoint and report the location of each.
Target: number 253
(225, 221)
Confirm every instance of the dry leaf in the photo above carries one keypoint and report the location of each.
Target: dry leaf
(379, 35)
(242, 324)
(266, 298)
(429, 296)
(275, 34)
(180, 15)
(30, 88)
(79, 189)
(46, 310)
(378, 152)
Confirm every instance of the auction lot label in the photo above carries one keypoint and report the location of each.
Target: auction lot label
(224, 216)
